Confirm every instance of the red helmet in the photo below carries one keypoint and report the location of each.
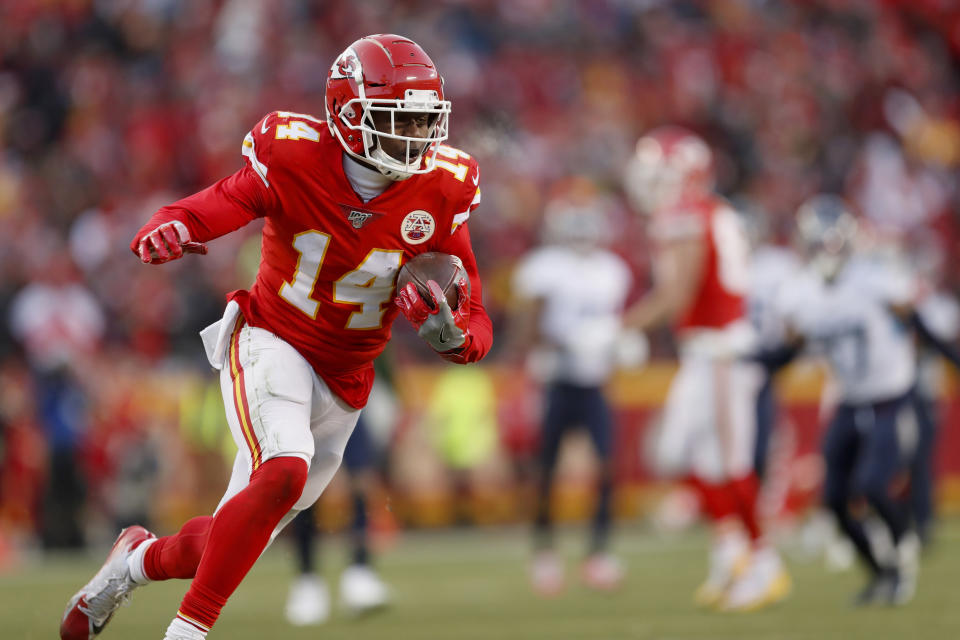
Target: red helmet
(669, 164)
(386, 73)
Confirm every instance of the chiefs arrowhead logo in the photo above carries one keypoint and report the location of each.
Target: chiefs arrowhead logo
(347, 66)
(417, 227)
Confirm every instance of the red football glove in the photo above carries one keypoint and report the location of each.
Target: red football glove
(168, 242)
(441, 328)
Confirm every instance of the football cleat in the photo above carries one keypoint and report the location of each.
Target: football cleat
(546, 574)
(729, 558)
(764, 582)
(308, 602)
(908, 561)
(92, 607)
(881, 589)
(603, 572)
(362, 590)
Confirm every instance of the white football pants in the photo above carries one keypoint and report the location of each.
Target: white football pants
(276, 405)
(709, 422)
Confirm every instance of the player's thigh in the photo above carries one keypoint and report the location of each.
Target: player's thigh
(841, 446)
(881, 456)
(268, 395)
(686, 417)
(556, 420)
(736, 386)
(331, 423)
(596, 417)
(359, 453)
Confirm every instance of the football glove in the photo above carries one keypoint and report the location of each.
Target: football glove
(168, 242)
(441, 328)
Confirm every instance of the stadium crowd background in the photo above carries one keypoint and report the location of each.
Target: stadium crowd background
(109, 109)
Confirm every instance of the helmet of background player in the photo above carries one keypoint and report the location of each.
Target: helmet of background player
(826, 232)
(581, 225)
(670, 164)
(392, 79)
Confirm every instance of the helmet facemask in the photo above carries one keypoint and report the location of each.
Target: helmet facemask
(414, 149)
(827, 234)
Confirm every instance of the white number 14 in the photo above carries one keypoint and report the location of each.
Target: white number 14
(369, 285)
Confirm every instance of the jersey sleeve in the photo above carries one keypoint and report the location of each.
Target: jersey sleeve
(480, 336)
(897, 286)
(470, 198)
(229, 203)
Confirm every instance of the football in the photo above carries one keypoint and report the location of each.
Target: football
(443, 268)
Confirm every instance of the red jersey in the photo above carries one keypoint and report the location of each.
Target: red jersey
(329, 261)
(722, 289)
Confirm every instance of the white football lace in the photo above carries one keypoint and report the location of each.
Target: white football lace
(114, 594)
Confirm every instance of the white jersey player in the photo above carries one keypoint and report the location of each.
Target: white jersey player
(570, 299)
(581, 291)
(856, 310)
(850, 320)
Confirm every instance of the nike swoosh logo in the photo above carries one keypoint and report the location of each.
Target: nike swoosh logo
(476, 180)
(264, 127)
(440, 337)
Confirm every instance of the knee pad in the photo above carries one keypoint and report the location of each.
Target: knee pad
(283, 478)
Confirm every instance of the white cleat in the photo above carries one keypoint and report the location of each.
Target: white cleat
(546, 574)
(362, 590)
(908, 562)
(91, 608)
(764, 582)
(729, 557)
(308, 602)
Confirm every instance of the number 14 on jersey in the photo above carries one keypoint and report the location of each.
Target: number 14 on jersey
(370, 285)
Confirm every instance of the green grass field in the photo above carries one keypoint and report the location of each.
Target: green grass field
(472, 585)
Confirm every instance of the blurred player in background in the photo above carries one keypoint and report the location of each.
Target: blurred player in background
(855, 308)
(571, 293)
(346, 200)
(701, 273)
(361, 588)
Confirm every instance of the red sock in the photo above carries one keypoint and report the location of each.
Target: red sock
(717, 502)
(178, 556)
(745, 492)
(238, 535)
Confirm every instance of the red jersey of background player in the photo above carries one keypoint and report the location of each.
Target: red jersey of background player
(721, 294)
(335, 307)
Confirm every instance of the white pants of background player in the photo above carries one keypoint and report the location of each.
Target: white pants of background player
(276, 405)
(709, 421)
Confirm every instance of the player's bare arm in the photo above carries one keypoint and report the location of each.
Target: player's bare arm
(678, 266)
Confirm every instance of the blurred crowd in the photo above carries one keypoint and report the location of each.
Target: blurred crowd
(112, 108)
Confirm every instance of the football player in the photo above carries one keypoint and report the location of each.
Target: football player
(855, 309)
(346, 199)
(701, 265)
(570, 297)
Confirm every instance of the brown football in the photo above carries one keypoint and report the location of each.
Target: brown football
(443, 268)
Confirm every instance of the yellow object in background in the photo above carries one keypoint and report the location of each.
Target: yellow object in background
(462, 417)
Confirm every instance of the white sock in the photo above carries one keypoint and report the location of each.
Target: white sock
(180, 629)
(135, 563)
